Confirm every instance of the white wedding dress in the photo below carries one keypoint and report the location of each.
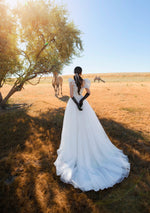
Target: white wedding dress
(86, 157)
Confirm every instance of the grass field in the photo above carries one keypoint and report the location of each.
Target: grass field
(30, 136)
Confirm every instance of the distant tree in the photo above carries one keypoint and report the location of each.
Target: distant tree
(47, 41)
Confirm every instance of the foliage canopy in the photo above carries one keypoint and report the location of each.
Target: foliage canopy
(42, 40)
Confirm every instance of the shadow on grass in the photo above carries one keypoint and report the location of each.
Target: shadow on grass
(14, 131)
(12, 107)
(64, 98)
(28, 151)
(130, 141)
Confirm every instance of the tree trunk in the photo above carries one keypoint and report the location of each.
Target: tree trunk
(4, 101)
(1, 98)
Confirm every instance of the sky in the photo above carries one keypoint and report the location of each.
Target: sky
(115, 35)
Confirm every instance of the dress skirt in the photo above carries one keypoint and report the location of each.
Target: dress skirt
(87, 159)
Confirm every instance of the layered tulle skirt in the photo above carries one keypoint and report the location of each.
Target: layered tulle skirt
(86, 157)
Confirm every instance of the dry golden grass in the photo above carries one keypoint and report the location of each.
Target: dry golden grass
(29, 138)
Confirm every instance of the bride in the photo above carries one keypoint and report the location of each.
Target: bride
(86, 157)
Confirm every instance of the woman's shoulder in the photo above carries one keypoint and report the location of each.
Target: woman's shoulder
(86, 80)
(86, 83)
(70, 80)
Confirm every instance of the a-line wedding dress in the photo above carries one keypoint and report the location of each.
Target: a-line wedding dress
(86, 157)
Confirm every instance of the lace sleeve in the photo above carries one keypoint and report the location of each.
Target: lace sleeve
(87, 83)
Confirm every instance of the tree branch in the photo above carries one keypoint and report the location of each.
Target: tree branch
(45, 45)
(41, 34)
(25, 54)
(45, 71)
(41, 51)
(36, 82)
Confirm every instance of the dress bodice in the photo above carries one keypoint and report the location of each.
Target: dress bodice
(75, 88)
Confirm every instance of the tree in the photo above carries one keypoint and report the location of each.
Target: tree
(9, 60)
(47, 41)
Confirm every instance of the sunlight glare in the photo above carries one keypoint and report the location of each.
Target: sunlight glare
(14, 3)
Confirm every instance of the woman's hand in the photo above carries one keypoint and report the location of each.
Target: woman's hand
(82, 99)
(75, 101)
(81, 103)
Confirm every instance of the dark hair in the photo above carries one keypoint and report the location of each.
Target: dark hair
(77, 78)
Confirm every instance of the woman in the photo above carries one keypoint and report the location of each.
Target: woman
(86, 157)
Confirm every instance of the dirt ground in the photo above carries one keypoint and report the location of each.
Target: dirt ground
(124, 102)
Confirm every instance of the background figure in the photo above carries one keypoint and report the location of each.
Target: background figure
(97, 78)
(57, 82)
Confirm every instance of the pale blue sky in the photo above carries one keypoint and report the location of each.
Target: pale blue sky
(116, 35)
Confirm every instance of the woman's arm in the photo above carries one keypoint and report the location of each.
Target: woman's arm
(88, 90)
(71, 90)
